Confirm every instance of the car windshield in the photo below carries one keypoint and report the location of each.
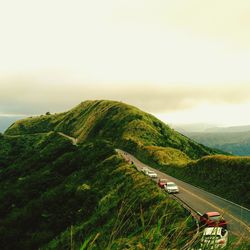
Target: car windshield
(171, 185)
(215, 218)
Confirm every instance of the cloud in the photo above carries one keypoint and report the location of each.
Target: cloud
(175, 97)
(29, 96)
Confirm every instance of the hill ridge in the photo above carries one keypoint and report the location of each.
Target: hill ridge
(124, 125)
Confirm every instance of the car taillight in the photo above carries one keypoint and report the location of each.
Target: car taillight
(221, 242)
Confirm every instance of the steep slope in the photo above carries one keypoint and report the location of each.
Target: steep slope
(226, 176)
(55, 195)
(124, 125)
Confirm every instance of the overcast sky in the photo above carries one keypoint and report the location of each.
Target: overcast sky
(186, 61)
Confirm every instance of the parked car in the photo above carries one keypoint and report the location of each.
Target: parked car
(162, 182)
(214, 238)
(171, 187)
(213, 219)
(151, 174)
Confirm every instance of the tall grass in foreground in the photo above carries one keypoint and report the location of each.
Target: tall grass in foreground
(161, 236)
(147, 233)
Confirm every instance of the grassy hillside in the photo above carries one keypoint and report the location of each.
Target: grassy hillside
(124, 125)
(16, 147)
(237, 143)
(59, 196)
(226, 176)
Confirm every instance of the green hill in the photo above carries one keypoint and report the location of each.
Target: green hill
(56, 195)
(124, 125)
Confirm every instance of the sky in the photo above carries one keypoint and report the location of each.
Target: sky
(185, 61)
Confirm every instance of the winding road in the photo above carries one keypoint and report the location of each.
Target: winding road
(201, 201)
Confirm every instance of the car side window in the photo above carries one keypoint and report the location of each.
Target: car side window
(223, 231)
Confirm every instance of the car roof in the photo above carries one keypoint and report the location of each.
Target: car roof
(213, 214)
(212, 231)
(170, 182)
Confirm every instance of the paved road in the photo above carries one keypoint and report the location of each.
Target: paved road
(202, 201)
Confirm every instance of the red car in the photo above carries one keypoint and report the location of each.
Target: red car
(213, 219)
(162, 182)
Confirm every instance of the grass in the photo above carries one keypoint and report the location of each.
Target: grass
(58, 196)
(166, 155)
(129, 215)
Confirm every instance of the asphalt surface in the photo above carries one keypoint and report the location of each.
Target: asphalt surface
(201, 201)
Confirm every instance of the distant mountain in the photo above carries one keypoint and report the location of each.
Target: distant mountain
(237, 143)
(234, 140)
(232, 129)
(196, 127)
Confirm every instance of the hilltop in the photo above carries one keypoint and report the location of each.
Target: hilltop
(124, 125)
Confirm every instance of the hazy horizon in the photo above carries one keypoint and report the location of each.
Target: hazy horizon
(186, 62)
